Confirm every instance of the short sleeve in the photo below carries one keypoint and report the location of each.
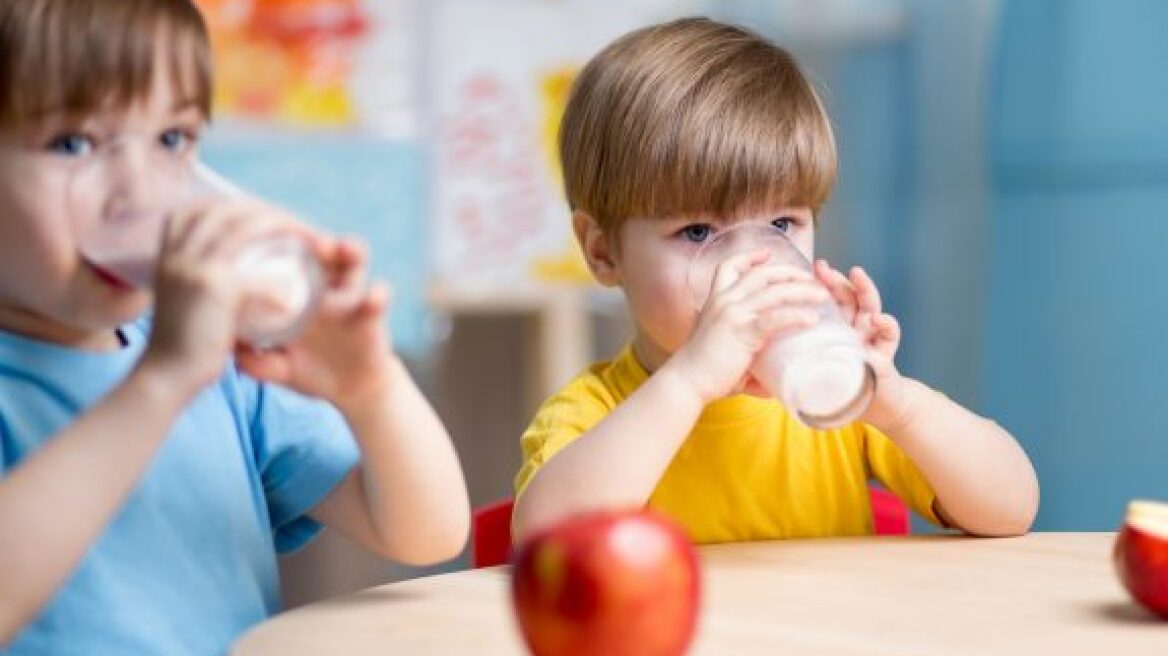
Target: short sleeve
(899, 474)
(303, 450)
(569, 414)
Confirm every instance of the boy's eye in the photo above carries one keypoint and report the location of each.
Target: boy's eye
(784, 223)
(177, 140)
(71, 144)
(696, 233)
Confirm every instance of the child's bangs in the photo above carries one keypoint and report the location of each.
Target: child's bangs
(76, 56)
(753, 158)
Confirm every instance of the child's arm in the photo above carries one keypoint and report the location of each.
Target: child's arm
(984, 482)
(407, 499)
(56, 503)
(619, 461)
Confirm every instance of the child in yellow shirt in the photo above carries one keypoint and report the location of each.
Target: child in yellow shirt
(672, 134)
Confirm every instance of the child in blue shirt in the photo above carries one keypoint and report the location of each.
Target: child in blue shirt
(151, 467)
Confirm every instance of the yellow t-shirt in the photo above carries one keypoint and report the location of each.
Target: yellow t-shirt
(748, 470)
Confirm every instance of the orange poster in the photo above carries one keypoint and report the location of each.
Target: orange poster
(286, 61)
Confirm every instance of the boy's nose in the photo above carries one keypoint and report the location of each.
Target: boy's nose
(133, 183)
(738, 241)
(127, 171)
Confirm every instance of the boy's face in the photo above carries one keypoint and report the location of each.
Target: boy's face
(650, 262)
(48, 289)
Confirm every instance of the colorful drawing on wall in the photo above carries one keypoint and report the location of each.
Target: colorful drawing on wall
(286, 61)
(566, 266)
(499, 73)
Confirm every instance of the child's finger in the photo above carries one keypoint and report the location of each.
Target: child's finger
(785, 318)
(341, 258)
(763, 277)
(222, 228)
(863, 324)
(839, 286)
(226, 234)
(193, 230)
(348, 287)
(178, 227)
(733, 268)
(808, 294)
(386, 291)
(320, 244)
(229, 228)
(867, 296)
(224, 225)
(345, 301)
(377, 301)
(349, 263)
(260, 222)
(886, 328)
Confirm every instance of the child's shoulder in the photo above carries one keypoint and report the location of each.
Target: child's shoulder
(592, 386)
(588, 397)
(608, 382)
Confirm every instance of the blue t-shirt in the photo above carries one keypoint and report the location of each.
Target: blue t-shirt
(189, 562)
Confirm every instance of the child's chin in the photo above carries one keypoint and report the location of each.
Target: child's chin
(128, 307)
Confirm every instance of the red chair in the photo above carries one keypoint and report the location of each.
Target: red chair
(491, 534)
(889, 514)
(491, 526)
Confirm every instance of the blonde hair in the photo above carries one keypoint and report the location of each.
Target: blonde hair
(694, 118)
(81, 55)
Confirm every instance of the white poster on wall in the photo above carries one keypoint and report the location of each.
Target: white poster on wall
(498, 76)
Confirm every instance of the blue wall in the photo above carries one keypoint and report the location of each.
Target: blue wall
(1078, 303)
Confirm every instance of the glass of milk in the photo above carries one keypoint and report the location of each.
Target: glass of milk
(121, 196)
(821, 374)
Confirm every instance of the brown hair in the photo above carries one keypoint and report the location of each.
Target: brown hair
(79, 55)
(694, 118)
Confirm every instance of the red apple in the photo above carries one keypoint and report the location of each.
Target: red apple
(1141, 555)
(613, 583)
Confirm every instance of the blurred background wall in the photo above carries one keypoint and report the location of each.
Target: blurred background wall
(1003, 167)
(1074, 333)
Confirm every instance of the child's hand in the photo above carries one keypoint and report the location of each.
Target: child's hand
(344, 354)
(197, 296)
(859, 302)
(749, 302)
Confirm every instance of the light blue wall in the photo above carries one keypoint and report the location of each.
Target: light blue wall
(1078, 304)
(945, 238)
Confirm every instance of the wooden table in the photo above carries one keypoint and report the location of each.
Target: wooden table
(1045, 593)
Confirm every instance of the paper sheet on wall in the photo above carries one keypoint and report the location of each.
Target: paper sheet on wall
(499, 74)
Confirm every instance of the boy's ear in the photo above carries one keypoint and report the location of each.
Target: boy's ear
(598, 249)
